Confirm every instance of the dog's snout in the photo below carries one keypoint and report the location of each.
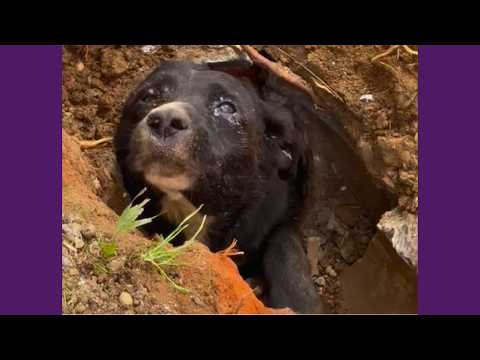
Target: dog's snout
(168, 122)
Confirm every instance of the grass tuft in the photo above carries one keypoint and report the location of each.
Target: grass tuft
(127, 221)
(161, 255)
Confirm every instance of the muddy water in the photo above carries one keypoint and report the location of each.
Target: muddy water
(379, 283)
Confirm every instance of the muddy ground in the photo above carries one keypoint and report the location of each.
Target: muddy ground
(353, 265)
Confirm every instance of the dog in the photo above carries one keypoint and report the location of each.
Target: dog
(207, 135)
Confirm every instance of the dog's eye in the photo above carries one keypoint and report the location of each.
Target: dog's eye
(226, 107)
(149, 95)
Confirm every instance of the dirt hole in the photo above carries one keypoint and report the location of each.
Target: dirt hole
(349, 258)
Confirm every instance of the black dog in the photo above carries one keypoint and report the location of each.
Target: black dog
(194, 134)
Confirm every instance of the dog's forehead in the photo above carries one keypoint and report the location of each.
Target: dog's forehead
(196, 76)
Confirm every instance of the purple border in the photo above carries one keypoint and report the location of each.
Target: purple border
(449, 177)
(30, 212)
(449, 249)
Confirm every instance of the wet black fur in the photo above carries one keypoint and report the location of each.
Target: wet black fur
(259, 203)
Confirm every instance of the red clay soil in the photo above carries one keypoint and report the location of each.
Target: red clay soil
(213, 281)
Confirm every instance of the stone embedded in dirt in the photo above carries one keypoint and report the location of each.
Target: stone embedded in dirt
(66, 262)
(126, 299)
(80, 308)
(400, 227)
(94, 248)
(72, 232)
(80, 66)
(117, 263)
(78, 243)
(330, 271)
(197, 301)
(366, 98)
(89, 232)
(97, 185)
(320, 281)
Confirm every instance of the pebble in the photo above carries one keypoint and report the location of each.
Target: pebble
(66, 229)
(80, 66)
(149, 49)
(66, 262)
(94, 248)
(89, 232)
(97, 185)
(80, 308)
(126, 299)
(76, 228)
(366, 98)
(330, 271)
(78, 242)
(117, 263)
(197, 301)
(320, 281)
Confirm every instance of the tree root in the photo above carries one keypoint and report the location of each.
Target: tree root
(89, 144)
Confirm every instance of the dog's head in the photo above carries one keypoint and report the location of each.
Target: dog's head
(193, 130)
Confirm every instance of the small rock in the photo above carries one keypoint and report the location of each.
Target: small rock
(167, 309)
(89, 232)
(388, 182)
(320, 281)
(149, 49)
(66, 229)
(97, 185)
(330, 271)
(66, 262)
(76, 228)
(197, 301)
(366, 98)
(80, 66)
(401, 228)
(94, 248)
(78, 242)
(80, 308)
(126, 299)
(117, 263)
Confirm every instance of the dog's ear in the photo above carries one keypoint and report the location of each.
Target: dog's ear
(285, 139)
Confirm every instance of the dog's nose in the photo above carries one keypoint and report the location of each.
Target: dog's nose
(168, 122)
